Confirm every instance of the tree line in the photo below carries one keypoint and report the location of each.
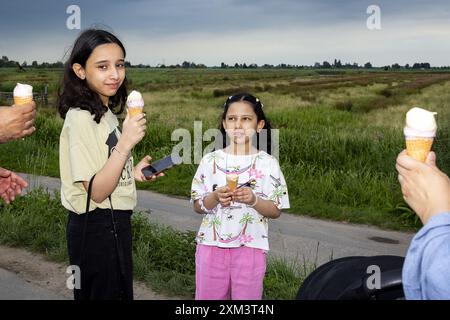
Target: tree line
(336, 64)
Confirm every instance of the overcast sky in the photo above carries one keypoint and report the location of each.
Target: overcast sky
(254, 31)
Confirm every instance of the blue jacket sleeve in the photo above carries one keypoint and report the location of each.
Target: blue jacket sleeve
(427, 263)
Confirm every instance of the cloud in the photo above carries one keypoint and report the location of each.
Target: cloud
(263, 31)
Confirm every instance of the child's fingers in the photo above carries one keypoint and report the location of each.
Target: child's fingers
(226, 203)
(242, 192)
(223, 199)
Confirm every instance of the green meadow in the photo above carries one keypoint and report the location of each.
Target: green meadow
(340, 130)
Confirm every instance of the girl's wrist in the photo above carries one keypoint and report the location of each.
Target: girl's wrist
(202, 201)
(215, 196)
(123, 147)
(253, 204)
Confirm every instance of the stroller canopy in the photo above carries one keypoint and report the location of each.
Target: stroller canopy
(350, 278)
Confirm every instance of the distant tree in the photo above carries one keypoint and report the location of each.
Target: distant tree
(367, 65)
(185, 64)
(396, 66)
(223, 65)
(20, 67)
(34, 64)
(326, 65)
(425, 65)
(236, 65)
(127, 64)
(407, 66)
(386, 68)
(337, 63)
(317, 65)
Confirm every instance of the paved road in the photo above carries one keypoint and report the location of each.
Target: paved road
(291, 236)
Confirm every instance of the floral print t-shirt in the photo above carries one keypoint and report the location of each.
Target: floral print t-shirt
(239, 224)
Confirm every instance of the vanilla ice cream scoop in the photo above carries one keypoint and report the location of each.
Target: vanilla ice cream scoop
(23, 90)
(135, 100)
(23, 94)
(421, 119)
(420, 122)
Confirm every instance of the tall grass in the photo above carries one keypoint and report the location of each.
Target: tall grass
(163, 258)
(339, 133)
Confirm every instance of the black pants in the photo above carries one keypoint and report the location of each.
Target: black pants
(105, 262)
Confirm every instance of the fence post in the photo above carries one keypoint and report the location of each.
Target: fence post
(46, 95)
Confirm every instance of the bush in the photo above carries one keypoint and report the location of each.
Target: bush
(346, 105)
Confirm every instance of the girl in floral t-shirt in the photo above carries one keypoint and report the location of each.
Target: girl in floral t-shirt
(233, 238)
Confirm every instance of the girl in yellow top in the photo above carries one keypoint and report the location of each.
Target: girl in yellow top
(91, 144)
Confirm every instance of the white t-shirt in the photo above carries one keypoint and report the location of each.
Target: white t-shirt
(238, 225)
(84, 148)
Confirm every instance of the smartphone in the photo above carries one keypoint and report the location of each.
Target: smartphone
(161, 165)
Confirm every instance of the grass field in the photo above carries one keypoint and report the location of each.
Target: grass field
(340, 131)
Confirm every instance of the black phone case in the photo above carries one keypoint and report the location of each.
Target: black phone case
(161, 165)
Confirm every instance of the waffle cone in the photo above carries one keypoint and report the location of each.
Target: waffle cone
(18, 101)
(232, 181)
(134, 111)
(418, 148)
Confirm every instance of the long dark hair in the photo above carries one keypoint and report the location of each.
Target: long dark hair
(74, 92)
(257, 106)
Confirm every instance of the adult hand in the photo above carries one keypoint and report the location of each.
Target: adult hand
(17, 121)
(139, 176)
(425, 188)
(10, 185)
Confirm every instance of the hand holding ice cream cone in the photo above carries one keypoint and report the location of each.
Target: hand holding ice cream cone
(232, 181)
(419, 131)
(135, 103)
(23, 94)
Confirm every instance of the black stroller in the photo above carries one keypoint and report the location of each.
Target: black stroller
(350, 278)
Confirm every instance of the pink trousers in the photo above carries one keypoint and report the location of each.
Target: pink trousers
(229, 273)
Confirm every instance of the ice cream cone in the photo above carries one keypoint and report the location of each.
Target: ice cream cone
(135, 103)
(419, 131)
(23, 94)
(232, 181)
